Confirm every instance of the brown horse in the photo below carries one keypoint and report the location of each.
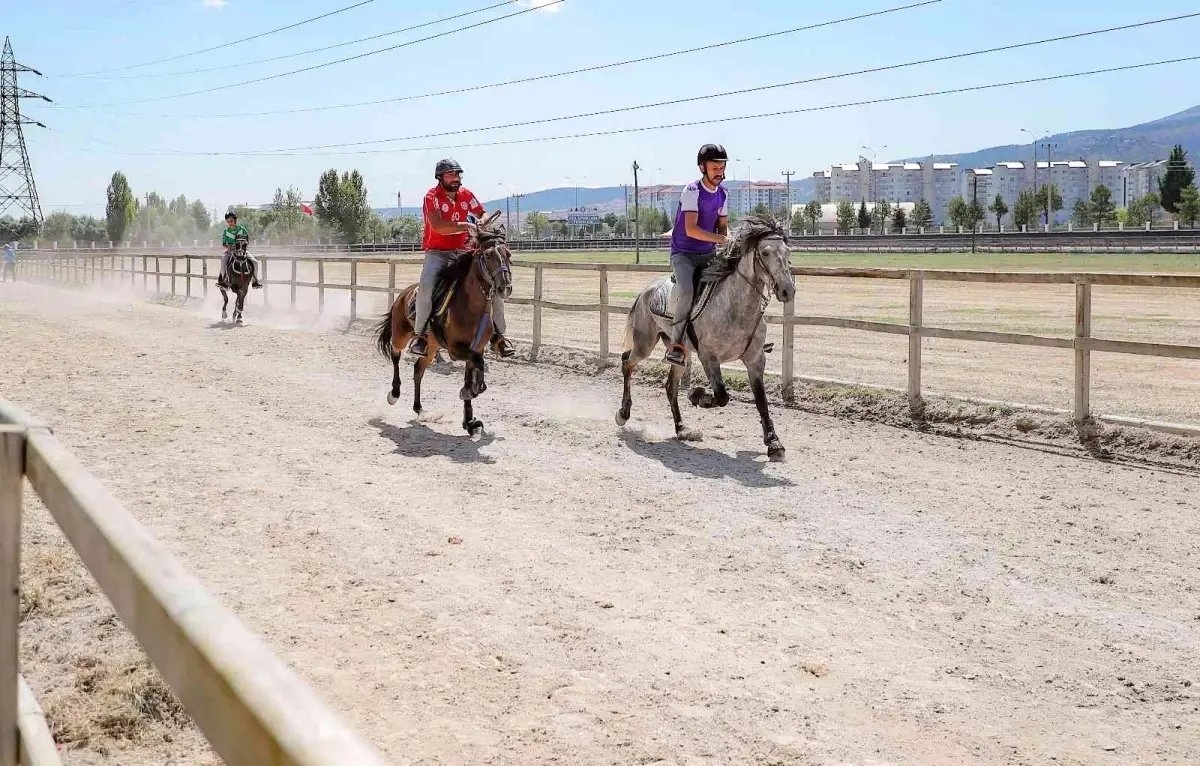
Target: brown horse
(464, 326)
(240, 273)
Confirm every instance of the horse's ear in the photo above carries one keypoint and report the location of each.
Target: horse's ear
(490, 219)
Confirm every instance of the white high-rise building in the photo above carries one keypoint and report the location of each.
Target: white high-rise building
(941, 186)
(821, 186)
(1139, 180)
(1107, 173)
(981, 180)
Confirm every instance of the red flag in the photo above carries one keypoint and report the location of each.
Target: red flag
(305, 209)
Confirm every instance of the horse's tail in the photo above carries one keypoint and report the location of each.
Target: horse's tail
(384, 328)
(628, 342)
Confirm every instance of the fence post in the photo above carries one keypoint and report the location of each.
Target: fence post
(173, 270)
(187, 265)
(12, 471)
(157, 275)
(353, 291)
(204, 276)
(266, 287)
(603, 317)
(1083, 355)
(537, 312)
(391, 283)
(789, 341)
(916, 305)
(294, 265)
(320, 286)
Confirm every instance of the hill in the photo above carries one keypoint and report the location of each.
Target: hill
(1138, 143)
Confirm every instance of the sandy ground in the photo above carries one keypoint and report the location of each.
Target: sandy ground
(1122, 384)
(562, 591)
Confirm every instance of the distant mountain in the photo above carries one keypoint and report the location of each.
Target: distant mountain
(1139, 143)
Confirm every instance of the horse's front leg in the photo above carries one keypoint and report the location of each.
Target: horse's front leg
(224, 304)
(682, 432)
(418, 373)
(716, 378)
(470, 424)
(756, 364)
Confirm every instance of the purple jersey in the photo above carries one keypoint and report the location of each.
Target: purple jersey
(708, 207)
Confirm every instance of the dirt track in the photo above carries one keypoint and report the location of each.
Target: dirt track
(883, 597)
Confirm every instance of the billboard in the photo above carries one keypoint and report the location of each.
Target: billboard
(583, 219)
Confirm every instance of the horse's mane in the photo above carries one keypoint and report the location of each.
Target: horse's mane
(745, 237)
(461, 263)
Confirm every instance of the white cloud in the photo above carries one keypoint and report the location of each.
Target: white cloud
(549, 6)
(214, 3)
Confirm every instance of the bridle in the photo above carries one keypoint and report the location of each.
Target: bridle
(756, 284)
(491, 278)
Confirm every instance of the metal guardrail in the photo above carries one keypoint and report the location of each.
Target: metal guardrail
(97, 268)
(249, 705)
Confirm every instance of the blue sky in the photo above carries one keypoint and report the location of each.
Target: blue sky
(74, 160)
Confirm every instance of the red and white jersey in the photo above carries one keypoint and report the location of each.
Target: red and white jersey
(452, 209)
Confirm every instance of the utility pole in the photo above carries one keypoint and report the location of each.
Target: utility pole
(14, 158)
(518, 197)
(788, 175)
(974, 207)
(637, 233)
(625, 189)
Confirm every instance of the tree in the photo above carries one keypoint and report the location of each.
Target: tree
(760, 209)
(1188, 208)
(406, 228)
(286, 207)
(922, 215)
(812, 214)
(899, 220)
(864, 218)
(883, 211)
(341, 204)
(1178, 176)
(1104, 210)
(610, 220)
(957, 212)
(1081, 214)
(199, 214)
(845, 216)
(798, 220)
(121, 209)
(537, 222)
(1025, 211)
(998, 208)
(1144, 210)
(1049, 201)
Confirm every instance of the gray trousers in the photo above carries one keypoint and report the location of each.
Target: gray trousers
(685, 266)
(225, 264)
(436, 262)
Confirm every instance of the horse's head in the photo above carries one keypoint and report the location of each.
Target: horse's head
(494, 256)
(763, 237)
(240, 243)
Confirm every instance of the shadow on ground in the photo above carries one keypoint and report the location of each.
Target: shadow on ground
(417, 440)
(745, 467)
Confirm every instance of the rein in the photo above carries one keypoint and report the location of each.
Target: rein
(764, 297)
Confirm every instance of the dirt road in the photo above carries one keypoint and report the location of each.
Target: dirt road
(564, 592)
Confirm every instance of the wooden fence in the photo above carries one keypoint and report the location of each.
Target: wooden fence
(116, 269)
(251, 707)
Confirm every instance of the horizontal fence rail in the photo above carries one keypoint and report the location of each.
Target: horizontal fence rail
(125, 269)
(252, 709)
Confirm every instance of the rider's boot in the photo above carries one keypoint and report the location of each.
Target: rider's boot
(419, 345)
(254, 280)
(676, 355)
(502, 346)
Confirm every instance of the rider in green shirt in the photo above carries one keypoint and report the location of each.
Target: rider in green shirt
(233, 230)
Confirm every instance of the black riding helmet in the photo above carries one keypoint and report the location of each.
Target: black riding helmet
(446, 166)
(711, 153)
(231, 214)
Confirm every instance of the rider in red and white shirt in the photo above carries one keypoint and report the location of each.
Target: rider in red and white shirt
(447, 231)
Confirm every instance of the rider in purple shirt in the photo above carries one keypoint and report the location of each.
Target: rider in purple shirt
(701, 223)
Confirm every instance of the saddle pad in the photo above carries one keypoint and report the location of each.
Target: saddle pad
(441, 301)
(660, 299)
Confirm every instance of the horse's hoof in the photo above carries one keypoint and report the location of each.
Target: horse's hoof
(696, 395)
(475, 428)
(776, 453)
(622, 417)
(224, 316)
(393, 398)
(686, 434)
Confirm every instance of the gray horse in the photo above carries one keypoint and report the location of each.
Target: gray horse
(727, 322)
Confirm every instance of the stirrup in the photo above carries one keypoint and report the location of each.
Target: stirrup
(419, 345)
(679, 360)
(503, 346)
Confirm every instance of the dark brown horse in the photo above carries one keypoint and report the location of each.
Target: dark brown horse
(464, 327)
(240, 273)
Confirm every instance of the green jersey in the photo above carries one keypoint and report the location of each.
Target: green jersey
(229, 235)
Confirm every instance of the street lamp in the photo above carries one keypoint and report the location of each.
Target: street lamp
(749, 181)
(875, 183)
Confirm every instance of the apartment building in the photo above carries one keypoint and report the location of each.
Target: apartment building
(1138, 180)
(977, 183)
(821, 186)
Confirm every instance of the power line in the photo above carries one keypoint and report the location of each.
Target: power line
(723, 94)
(553, 75)
(299, 53)
(223, 45)
(713, 121)
(327, 63)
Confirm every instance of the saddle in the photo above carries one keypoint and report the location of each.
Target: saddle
(660, 298)
(443, 292)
